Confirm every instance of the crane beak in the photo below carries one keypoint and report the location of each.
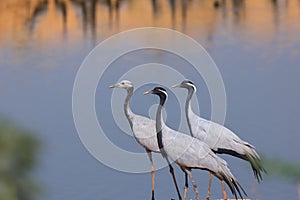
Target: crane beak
(112, 86)
(176, 86)
(148, 92)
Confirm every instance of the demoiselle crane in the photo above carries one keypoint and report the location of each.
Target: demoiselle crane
(189, 152)
(143, 130)
(219, 138)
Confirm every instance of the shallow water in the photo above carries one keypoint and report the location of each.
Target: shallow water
(255, 44)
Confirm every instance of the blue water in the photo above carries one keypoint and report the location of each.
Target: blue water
(261, 76)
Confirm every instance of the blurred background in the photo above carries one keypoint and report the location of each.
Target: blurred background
(255, 44)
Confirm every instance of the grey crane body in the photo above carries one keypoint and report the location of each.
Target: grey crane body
(189, 152)
(219, 138)
(143, 129)
(192, 153)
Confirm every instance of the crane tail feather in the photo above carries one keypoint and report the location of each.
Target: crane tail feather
(256, 165)
(251, 156)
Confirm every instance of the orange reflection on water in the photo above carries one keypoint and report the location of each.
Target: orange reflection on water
(54, 21)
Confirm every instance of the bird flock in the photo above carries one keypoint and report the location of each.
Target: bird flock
(195, 151)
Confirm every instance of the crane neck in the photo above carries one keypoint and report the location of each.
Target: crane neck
(188, 108)
(158, 125)
(127, 109)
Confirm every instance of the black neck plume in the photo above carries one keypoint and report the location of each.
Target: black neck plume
(159, 124)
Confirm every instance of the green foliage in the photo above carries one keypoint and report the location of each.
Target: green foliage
(18, 157)
(282, 168)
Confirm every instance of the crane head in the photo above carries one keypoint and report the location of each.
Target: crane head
(158, 91)
(122, 84)
(185, 84)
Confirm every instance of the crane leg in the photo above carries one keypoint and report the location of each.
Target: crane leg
(224, 191)
(174, 180)
(152, 172)
(194, 183)
(209, 185)
(186, 185)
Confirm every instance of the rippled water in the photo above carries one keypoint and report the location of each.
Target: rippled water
(255, 44)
